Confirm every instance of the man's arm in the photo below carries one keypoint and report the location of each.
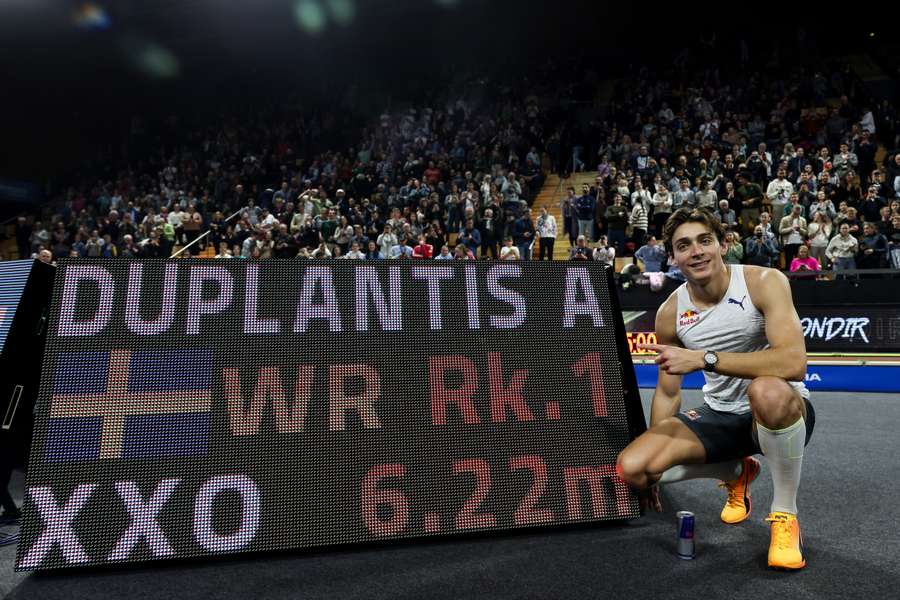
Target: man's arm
(786, 356)
(667, 397)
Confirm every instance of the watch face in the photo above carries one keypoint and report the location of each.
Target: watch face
(710, 358)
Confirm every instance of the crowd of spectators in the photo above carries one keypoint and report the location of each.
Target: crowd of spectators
(785, 159)
(791, 175)
(453, 176)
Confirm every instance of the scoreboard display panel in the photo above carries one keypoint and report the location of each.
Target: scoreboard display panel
(197, 408)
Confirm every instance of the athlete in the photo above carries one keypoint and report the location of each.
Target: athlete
(739, 326)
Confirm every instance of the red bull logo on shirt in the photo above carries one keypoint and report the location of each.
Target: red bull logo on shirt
(688, 317)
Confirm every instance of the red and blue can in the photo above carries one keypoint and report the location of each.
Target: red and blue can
(686, 548)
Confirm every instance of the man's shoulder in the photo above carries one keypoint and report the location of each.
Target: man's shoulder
(762, 278)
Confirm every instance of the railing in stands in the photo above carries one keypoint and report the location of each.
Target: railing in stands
(203, 235)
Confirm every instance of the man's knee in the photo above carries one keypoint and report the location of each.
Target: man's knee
(773, 402)
(632, 468)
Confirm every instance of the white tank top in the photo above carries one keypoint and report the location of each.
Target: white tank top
(732, 325)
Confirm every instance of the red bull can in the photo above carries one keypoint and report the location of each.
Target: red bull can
(686, 548)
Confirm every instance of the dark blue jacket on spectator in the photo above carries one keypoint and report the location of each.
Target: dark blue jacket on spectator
(584, 207)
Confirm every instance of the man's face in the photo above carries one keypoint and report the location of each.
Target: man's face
(868, 229)
(845, 229)
(696, 251)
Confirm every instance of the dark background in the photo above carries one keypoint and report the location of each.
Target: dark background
(310, 482)
(72, 87)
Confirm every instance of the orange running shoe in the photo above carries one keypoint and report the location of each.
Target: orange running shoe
(738, 506)
(786, 547)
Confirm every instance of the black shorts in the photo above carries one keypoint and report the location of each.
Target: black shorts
(727, 436)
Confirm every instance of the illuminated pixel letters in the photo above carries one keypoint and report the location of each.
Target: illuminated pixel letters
(143, 519)
(191, 408)
(90, 292)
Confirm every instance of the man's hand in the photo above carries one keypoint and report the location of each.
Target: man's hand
(675, 360)
(649, 499)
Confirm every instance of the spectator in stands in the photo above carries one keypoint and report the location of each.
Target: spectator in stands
(224, 251)
(546, 233)
(524, 234)
(726, 216)
(489, 230)
(734, 250)
(373, 252)
(423, 249)
(641, 196)
(322, 252)
(460, 252)
(803, 262)
(765, 222)
(470, 237)
(845, 161)
(759, 249)
(779, 193)
(684, 196)
(445, 253)
(605, 253)
(750, 196)
(842, 249)
(355, 253)
(584, 210)
(873, 248)
(793, 232)
(797, 164)
(883, 224)
(638, 222)
(387, 240)
(870, 208)
(853, 222)
(662, 208)
(509, 251)
(617, 218)
(818, 234)
(706, 196)
(848, 190)
(894, 241)
(580, 251)
(822, 204)
(402, 250)
(569, 216)
(652, 255)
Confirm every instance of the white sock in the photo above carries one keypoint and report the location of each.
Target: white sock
(724, 471)
(783, 448)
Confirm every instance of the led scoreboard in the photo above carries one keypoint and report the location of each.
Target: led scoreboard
(191, 408)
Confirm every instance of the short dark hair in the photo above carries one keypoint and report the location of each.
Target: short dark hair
(691, 215)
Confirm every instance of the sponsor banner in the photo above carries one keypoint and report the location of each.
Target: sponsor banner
(190, 409)
(830, 378)
(826, 329)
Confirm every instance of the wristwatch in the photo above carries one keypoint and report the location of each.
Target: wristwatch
(710, 360)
